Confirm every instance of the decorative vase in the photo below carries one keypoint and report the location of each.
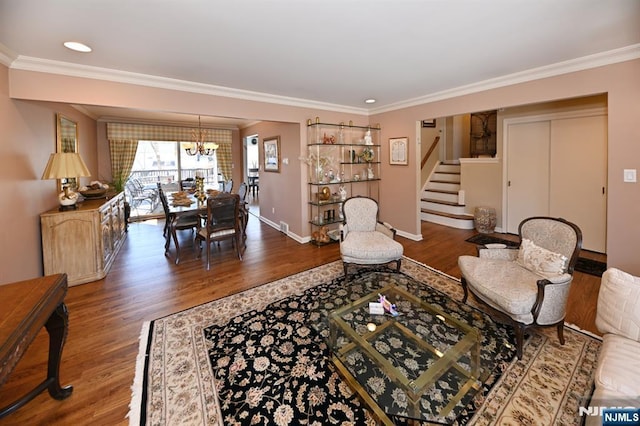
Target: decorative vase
(485, 219)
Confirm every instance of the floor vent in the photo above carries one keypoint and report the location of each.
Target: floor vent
(284, 228)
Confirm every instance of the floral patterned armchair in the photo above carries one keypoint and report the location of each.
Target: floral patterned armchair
(364, 240)
(529, 285)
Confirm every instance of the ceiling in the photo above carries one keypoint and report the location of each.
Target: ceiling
(329, 53)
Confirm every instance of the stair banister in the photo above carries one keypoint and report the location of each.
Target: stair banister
(431, 149)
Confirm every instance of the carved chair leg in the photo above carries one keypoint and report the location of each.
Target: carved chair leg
(398, 263)
(519, 329)
(560, 327)
(463, 281)
(345, 266)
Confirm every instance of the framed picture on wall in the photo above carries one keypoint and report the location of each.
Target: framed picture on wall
(271, 153)
(398, 151)
(429, 123)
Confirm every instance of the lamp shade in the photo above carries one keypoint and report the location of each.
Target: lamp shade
(65, 164)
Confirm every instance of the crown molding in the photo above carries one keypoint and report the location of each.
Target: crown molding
(622, 54)
(28, 63)
(7, 56)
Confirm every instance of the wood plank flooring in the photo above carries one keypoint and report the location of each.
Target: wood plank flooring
(105, 317)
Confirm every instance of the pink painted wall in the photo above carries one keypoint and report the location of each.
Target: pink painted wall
(279, 200)
(27, 138)
(620, 82)
(31, 123)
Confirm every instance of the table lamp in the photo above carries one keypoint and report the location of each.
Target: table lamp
(63, 165)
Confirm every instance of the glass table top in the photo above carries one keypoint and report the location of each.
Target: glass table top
(423, 364)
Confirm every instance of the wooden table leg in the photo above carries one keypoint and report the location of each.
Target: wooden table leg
(57, 326)
(175, 238)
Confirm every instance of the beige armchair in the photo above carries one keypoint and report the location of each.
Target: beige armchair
(364, 240)
(528, 286)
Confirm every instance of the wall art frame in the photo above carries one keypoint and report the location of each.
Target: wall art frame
(271, 154)
(399, 151)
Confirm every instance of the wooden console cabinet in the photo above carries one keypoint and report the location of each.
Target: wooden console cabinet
(83, 243)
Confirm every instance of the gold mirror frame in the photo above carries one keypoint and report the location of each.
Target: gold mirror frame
(66, 141)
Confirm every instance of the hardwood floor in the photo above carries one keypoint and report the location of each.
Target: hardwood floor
(105, 317)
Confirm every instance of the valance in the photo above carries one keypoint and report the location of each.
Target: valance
(149, 132)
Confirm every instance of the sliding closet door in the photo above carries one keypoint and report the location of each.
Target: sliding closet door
(579, 176)
(527, 172)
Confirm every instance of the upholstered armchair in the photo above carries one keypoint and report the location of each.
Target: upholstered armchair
(529, 285)
(364, 240)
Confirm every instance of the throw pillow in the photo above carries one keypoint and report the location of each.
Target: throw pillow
(540, 260)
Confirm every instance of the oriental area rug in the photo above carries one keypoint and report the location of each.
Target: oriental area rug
(261, 357)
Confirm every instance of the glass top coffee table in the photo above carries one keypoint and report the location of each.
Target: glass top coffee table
(422, 365)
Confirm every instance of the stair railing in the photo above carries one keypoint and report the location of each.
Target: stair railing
(431, 149)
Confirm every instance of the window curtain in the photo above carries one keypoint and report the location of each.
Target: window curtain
(223, 153)
(123, 153)
(129, 133)
(148, 132)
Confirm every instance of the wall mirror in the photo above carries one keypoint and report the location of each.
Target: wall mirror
(66, 141)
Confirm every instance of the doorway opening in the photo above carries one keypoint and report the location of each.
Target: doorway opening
(252, 173)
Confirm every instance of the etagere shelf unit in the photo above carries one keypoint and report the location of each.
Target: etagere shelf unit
(343, 160)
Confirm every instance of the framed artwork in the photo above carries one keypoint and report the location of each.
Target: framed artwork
(429, 123)
(66, 141)
(271, 153)
(398, 150)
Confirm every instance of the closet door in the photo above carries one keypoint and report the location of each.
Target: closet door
(527, 172)
(579, 176)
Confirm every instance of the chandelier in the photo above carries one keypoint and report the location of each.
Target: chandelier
(199, 146)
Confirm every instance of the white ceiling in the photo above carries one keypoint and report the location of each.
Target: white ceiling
(333, 53)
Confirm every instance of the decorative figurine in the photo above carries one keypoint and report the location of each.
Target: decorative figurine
(367, 138)
(388, 306)
(370, 173)
(343, 192)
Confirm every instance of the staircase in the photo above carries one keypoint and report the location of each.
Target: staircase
(439, 198)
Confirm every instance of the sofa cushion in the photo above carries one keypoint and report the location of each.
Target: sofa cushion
(493, 281)
(619, 304)
(618, 368)
(369, 248)
(540, 260)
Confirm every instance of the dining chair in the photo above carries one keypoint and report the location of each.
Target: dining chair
(254, 183)
(187, 184)
(181, 223)
(223, 223)
(228, 186)
(244, 210)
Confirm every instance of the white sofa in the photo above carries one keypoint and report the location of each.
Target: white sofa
(617, 379)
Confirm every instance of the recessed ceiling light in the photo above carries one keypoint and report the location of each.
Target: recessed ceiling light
(77, 46)
(370, 101)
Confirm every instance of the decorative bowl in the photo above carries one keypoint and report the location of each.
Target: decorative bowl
(324, 194)
(93, 193)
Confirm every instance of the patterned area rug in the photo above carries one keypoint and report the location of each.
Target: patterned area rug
(188, 360)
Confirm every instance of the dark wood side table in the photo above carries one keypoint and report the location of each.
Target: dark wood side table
(25, 307)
